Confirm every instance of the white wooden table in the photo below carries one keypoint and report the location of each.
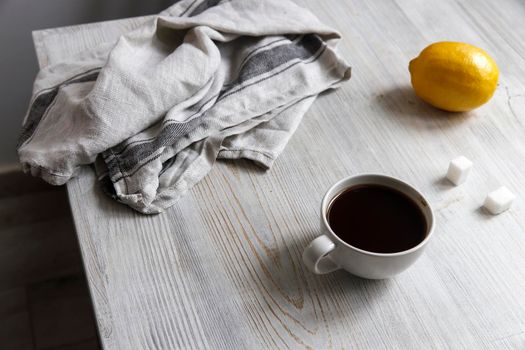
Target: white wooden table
(222, 268)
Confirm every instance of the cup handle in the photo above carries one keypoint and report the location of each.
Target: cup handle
(316, 258)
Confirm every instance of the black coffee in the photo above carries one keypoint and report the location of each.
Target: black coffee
(377, 219)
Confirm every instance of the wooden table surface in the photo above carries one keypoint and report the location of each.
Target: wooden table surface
(222, 268)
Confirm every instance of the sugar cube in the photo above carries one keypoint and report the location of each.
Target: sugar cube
(499, 200)
(458, 170)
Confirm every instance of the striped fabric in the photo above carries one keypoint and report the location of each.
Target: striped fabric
(205, 79)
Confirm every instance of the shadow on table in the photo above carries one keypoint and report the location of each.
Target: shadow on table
(340, 275)
(483, 213)
(244, 165)
(328, 301)
(402, 102)
(338, 285)
(443, 184)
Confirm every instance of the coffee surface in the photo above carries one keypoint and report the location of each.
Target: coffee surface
(377, 218)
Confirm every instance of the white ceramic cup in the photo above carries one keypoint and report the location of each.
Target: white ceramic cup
(328, 252)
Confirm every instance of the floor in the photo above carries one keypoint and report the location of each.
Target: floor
(44, 299)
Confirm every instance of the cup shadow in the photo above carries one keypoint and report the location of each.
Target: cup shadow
(339, 285)
(348, 280)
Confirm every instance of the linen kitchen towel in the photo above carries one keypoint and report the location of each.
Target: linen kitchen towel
(205, 79)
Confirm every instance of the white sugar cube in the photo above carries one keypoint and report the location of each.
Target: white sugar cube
(499, 200)
(458, 170)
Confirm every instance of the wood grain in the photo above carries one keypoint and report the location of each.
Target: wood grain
(222, 268)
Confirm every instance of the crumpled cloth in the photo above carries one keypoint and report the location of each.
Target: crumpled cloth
(205, 79)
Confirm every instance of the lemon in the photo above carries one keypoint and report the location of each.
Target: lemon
(454, 76)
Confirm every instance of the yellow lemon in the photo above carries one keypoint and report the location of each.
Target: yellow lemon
(454, 76)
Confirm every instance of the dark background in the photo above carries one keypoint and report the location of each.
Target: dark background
(18, 64)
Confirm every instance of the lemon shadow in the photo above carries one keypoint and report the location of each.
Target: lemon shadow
(401, 102)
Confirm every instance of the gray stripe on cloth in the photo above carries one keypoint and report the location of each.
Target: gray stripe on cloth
(125, 165)
(188, 8)
(120, 148)
(203, 6)
(42, 102)
(37, 110)
(269, 59)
